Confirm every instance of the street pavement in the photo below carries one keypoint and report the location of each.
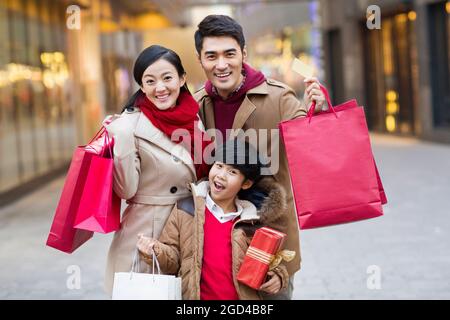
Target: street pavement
(405, 254)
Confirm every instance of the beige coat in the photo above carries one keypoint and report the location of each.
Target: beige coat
(180, 247)
(151, 173)
(264, 107)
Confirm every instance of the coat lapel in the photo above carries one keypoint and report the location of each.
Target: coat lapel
(147, 131)
(208, 114)
(247, 107)
(245, 110)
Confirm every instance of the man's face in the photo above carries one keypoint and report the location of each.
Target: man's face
(221, 59)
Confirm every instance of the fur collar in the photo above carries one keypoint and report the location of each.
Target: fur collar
(274, 205)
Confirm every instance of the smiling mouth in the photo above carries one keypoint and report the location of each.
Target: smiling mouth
(162, 97)
(222, 75)
(218, 186)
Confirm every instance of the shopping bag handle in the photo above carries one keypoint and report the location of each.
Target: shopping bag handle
(98, 134)
(313, 105)
(107, 140)
(135, 265)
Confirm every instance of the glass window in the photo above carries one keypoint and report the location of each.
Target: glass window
(9, 173)
(50, 105)
(37, 88)
(23, 111)
(36, 125)
(439, 34)
(65, 118)
(391, 74)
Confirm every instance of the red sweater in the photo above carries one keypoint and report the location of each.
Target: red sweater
(225, 110)
(217, 276)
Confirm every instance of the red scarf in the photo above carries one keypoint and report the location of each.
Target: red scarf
(182, 116)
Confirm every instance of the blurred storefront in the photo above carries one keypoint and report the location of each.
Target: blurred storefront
(37, 130)
(59, 77)
(280, 31)
(399, 72)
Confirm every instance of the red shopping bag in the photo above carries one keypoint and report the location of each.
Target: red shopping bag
(99, 208)
(63, 236)
(333, 172)
(353, 104)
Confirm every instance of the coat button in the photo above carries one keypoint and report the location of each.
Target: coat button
(173, 189)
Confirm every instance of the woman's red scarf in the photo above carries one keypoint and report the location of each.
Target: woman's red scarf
(182, 116)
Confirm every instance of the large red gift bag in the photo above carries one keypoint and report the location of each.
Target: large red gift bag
(63, 236)
(353, 104)
(265, 244)
(333, 173)
(99, 208)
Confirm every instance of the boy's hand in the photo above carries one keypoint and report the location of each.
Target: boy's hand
(145, 245)
(273, 285)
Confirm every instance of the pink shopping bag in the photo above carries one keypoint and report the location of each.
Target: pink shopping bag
(353, 104)
(63, 236)
(99, 208)
(333, 172)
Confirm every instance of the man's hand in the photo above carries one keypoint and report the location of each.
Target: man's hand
(145, 245)
(314, 93)
(273, 285)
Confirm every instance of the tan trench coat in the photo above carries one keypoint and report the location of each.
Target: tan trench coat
(264, 107)
(152, 173)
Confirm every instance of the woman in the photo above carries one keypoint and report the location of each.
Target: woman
(150, 170)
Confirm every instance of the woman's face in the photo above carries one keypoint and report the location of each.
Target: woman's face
(161, 84)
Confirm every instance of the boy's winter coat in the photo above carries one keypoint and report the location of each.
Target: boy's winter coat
(180, 247)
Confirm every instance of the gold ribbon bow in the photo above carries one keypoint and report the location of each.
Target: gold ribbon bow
(286, 255)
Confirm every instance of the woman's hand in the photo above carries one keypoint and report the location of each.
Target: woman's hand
(273, 285)
(145, 245)
(314, 93)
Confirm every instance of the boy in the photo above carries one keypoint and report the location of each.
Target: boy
(207, 235)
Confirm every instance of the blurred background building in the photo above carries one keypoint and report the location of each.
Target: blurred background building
(65, 65)
(399, 72)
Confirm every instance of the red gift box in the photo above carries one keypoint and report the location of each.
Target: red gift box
(265, 244)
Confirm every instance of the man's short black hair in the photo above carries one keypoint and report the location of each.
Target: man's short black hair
(218, 26)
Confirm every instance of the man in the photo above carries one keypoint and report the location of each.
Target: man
(236, 96)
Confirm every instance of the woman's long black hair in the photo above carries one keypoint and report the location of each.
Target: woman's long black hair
(146, 58)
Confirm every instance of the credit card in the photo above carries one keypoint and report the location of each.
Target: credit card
(302, 68)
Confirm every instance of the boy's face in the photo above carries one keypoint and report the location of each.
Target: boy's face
(225, 182)
(221, 59)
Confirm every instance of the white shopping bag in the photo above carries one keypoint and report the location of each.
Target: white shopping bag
(145, 286)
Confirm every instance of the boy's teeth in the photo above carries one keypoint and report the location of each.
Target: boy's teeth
(218, 186)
